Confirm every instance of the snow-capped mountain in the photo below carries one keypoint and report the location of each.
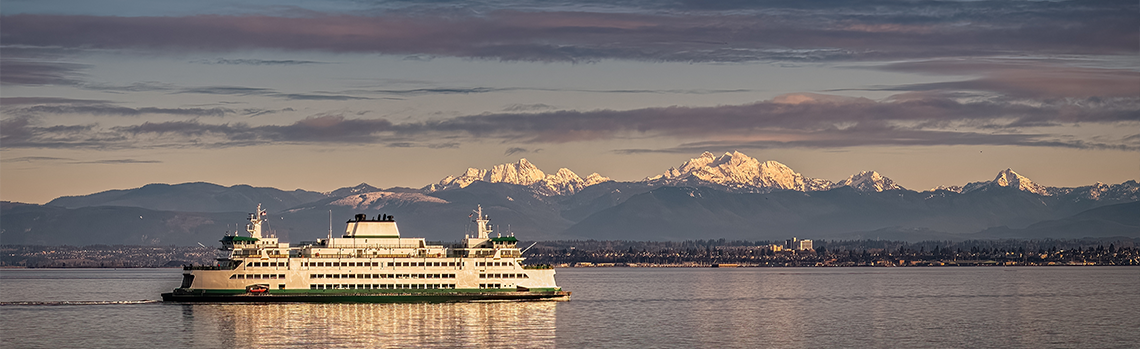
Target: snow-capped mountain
(868, 181)
(1010, 179)
(563, 182)
(738, 172)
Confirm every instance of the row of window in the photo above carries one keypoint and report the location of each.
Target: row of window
(490, 286)
(377, 264)
(257, 276)
(494, 264)
(382, 276)
(340, 264)
(268, 264)
(381, 286)
(503, 276)
(423, 264)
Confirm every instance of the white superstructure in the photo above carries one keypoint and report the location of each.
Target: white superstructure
(371, 257)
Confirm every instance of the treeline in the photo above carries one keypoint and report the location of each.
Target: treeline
(1120, 251)
(838, 253)
(104, 256)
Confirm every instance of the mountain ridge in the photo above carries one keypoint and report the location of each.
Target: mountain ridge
(731, 195)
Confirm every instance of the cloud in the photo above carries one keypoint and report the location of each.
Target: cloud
(527, 107)
(256, 62)
(1023, 78)
(515, 150)
(9, 101)
(793, 120)
(74, 161)
(774, 31)
(21, 72)
(36, 159)
(120, 161)
(571, 126)
(121, 111)
(34, 106)
(259, 91)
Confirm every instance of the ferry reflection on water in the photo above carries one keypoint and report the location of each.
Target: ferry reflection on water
(511, 324)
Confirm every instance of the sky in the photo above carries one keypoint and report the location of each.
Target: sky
(318, 95)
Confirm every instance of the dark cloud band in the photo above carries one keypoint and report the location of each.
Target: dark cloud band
(777, 33)
(797, 120)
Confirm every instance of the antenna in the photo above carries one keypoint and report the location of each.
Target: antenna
(527, 248)
(330, 224)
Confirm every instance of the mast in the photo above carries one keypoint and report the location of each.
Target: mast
(254, 227)
(482, 223)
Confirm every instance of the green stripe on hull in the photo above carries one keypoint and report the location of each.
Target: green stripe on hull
(359, 296)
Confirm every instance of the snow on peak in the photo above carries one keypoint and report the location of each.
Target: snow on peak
(738, 171)
(1010, 179)
(384, 199)
(522, 173)
(563, 182)
(566, 182)
(868, 181)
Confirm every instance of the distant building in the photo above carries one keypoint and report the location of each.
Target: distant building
(796, 244)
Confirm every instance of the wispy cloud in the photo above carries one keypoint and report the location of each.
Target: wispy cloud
(1023, 78)
(36, 159)
(10, 101)
(120, 161)
(37, 106)
(255, 61)
(516, 150)
(121, 111)
(25, 72)
(527, 107)
(32, 159)
(794, 120)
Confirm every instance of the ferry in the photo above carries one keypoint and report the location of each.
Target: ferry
(369, 263)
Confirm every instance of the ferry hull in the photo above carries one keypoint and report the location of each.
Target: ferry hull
(435, 297)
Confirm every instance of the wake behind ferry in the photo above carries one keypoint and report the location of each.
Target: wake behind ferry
(370, 263)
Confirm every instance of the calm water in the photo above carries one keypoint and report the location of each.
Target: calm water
(1067, 307)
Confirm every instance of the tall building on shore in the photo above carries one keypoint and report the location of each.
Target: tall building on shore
(797, 244)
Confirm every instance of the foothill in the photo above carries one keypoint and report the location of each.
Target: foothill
(692, 253)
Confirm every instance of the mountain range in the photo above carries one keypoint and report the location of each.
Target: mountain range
(731, 196)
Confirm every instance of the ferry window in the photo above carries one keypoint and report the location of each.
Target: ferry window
(280, 276)
(233, 276)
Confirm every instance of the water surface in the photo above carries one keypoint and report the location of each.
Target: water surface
(611, 307)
